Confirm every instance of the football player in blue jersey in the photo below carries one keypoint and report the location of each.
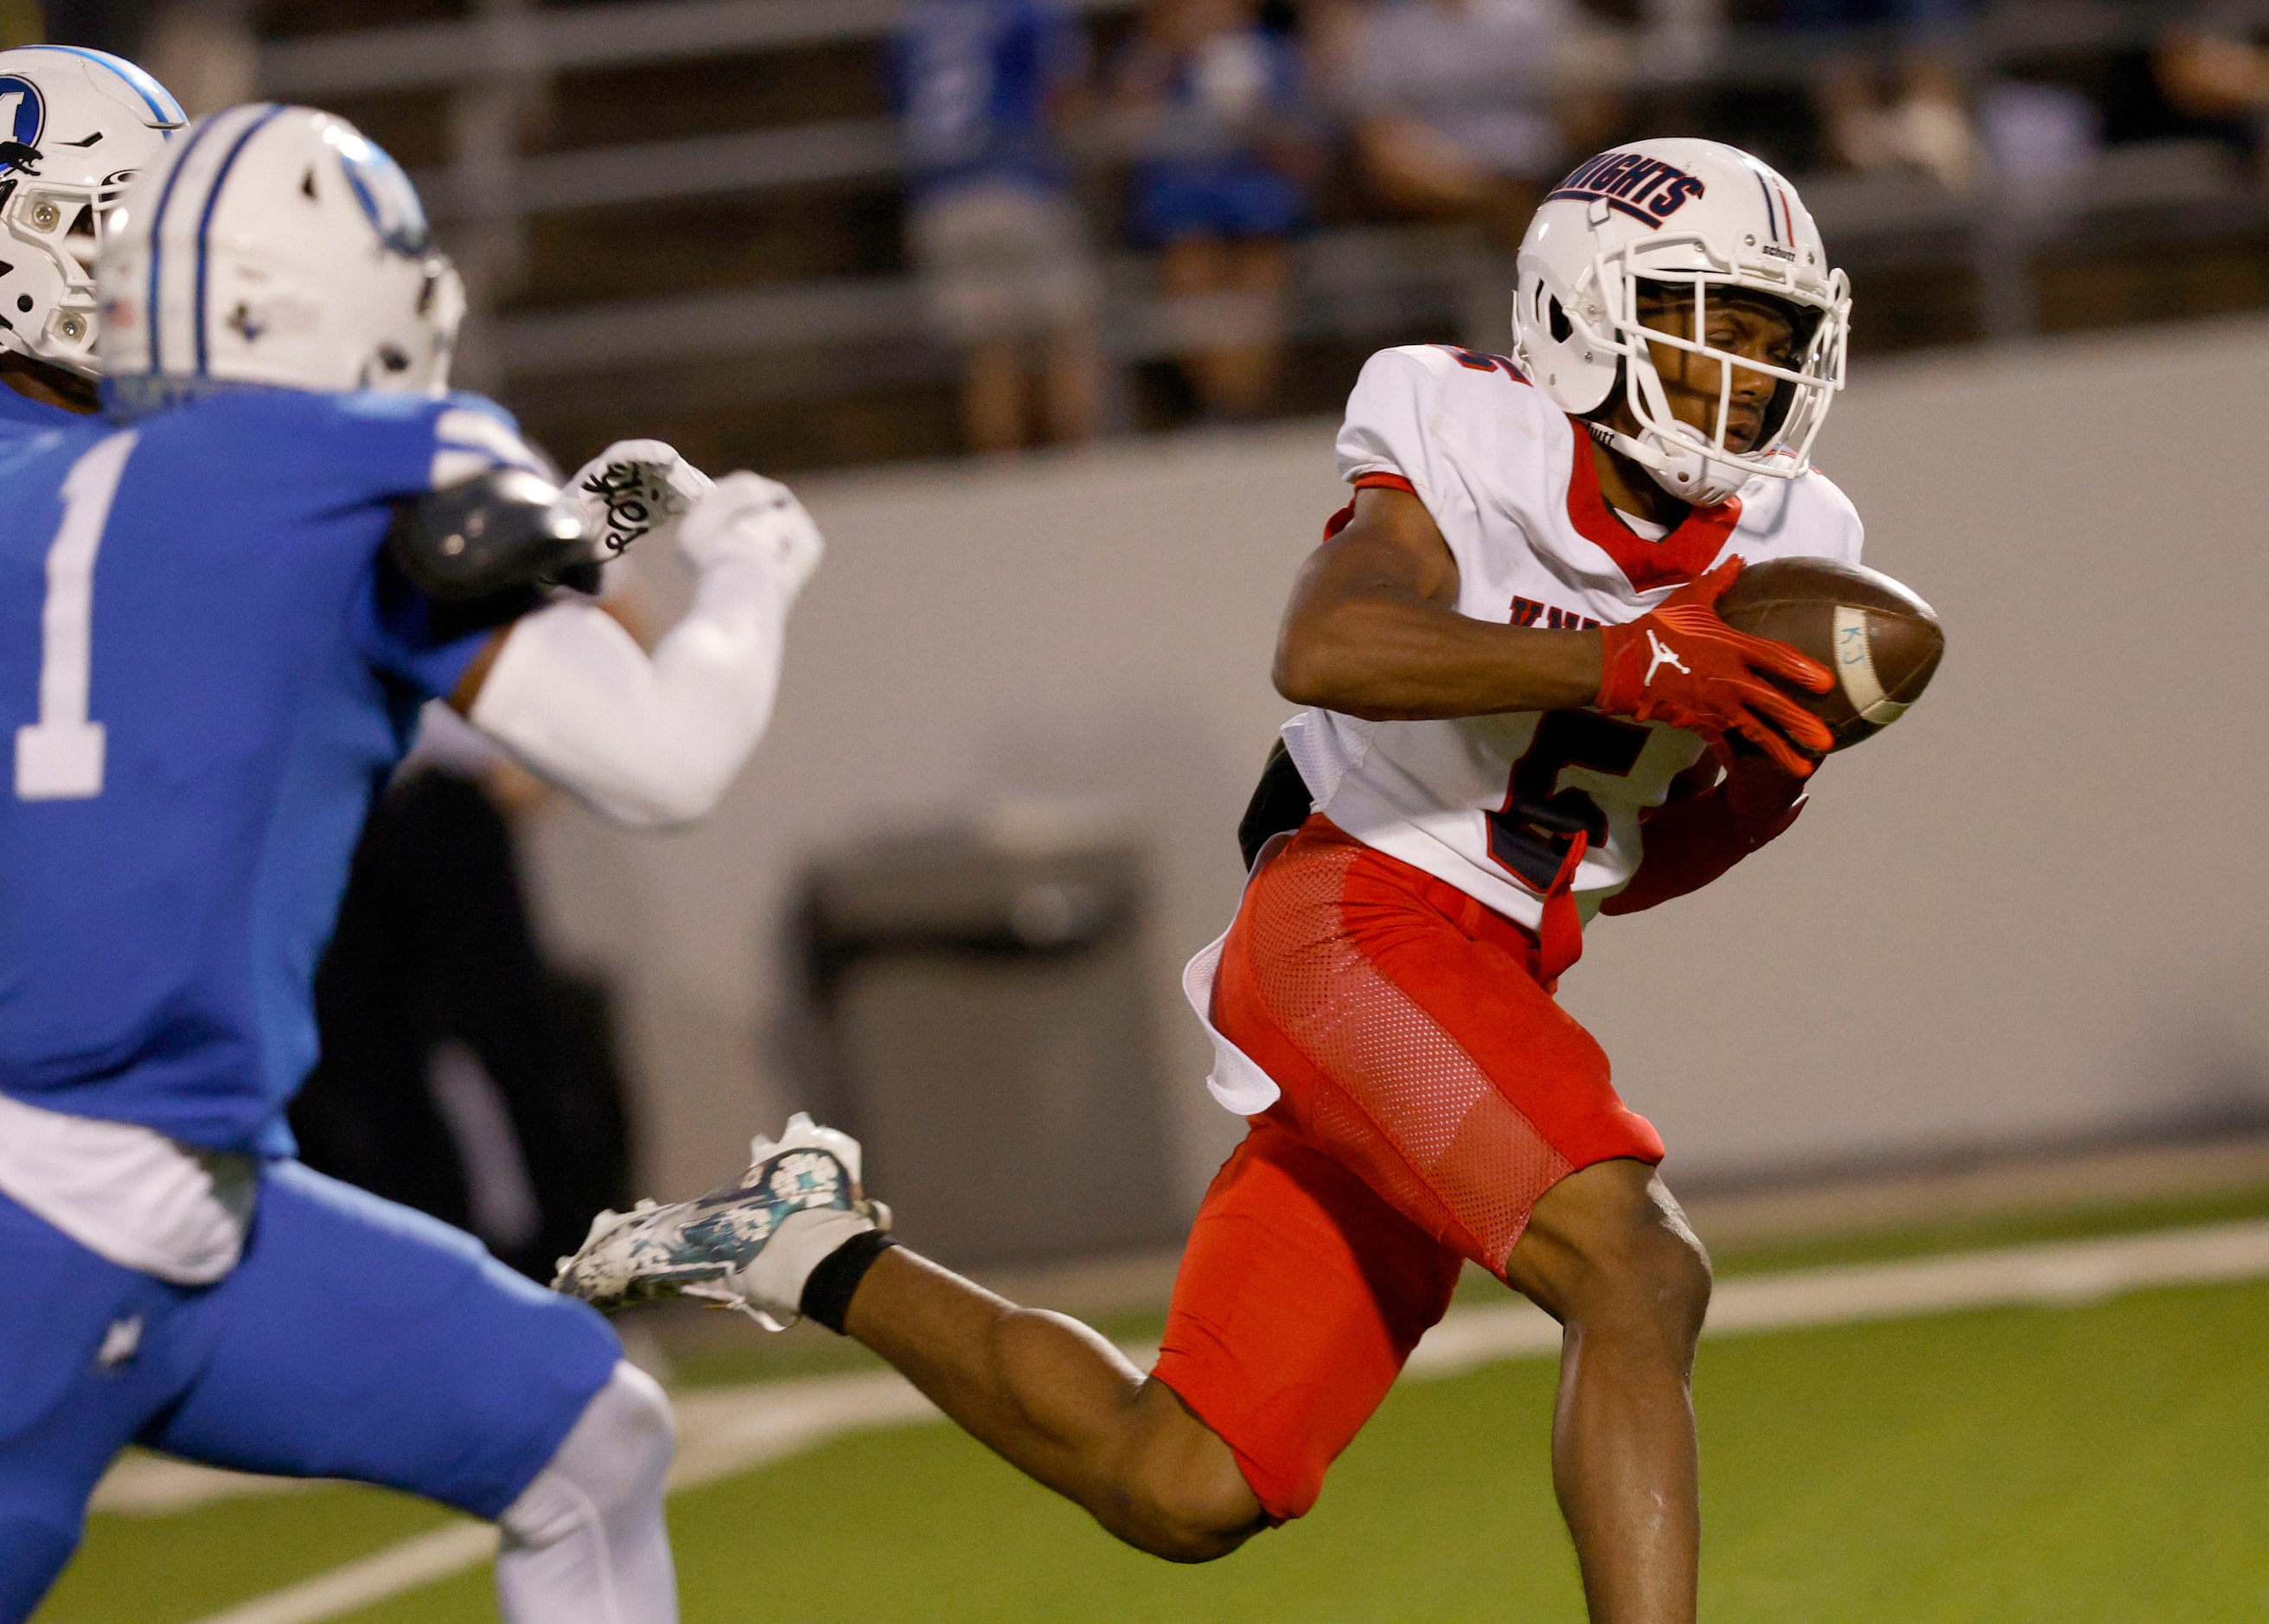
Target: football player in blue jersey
(74, 127)
(222, 602)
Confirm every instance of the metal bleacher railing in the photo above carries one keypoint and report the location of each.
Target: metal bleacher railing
(1349, 280)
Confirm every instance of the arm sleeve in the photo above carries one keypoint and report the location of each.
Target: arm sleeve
(654, 742)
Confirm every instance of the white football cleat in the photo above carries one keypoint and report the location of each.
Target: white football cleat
(748, 1245)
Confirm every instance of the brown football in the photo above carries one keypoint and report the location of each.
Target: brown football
(1882, 641)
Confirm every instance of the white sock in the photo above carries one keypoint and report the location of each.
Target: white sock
(584, 1543)
(773, 1283)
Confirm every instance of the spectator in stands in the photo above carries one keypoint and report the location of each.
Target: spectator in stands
(1455, 106)
(1908, 113)
(982, 87)
(461, 1074)
(1215, 103)
(2213, 66)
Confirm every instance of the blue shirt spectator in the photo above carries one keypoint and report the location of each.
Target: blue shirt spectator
(1219, 102)
(1007, 274)
(976, 84)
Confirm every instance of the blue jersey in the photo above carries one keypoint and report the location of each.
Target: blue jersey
(207, 670)
(20, 415)
(972, 80)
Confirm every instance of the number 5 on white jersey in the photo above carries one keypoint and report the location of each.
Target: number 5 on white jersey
(59, 757)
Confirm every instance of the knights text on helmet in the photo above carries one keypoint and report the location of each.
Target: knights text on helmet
(1646, 188)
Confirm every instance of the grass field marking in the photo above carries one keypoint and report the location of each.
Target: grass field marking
(723, 1432)
(404, 1566)
(140, 1485)
(2057, 1273)
(2051, 1273)
(726, 1431)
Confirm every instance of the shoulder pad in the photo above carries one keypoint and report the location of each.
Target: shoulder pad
(501, 531)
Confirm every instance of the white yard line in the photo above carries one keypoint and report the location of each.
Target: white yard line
(724, 1432)
(404, 1566)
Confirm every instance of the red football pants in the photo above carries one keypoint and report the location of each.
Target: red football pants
(1432, 1092)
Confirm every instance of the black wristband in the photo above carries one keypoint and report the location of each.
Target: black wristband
(829, 1287)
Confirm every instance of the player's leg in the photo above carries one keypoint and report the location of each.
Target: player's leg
(1299, 1296)
(358, 1340)
(1301, 1293)
(1416, 1047)
(1608, 1254)
(84, 1362)
(586, 1538)
(1056, 1400)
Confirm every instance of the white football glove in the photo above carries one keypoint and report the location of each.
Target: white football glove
(745, 515)
(633, 489)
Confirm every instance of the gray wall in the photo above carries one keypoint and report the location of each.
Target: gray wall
(2035, 908)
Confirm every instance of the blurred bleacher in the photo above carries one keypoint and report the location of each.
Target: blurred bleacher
(684, 215)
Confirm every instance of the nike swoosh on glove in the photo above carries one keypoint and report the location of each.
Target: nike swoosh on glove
(747, 516)
(633, 489)
(1680, 663)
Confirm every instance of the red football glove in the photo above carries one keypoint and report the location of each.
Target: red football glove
(1689, 842)
(1678, 663)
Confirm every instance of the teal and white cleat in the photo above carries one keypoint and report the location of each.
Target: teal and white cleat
(714, 1247)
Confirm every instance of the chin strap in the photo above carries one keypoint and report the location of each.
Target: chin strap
(1687, 472)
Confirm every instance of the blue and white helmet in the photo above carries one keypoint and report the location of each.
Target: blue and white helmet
(76, 126)
(1691, 215)
(275, 246)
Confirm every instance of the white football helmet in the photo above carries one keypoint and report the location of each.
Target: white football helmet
(275, 246)
(74, 127)
(1688, 214)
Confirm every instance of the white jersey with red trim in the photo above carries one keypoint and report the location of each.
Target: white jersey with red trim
(1491, 803)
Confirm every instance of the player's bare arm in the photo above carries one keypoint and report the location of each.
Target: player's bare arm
(1372, 631)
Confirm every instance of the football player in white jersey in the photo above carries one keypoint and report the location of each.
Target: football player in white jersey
(1508, 644)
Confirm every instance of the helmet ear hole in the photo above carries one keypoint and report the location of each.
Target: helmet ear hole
(307, 186)
(1556, 322)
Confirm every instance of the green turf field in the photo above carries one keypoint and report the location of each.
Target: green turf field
(2108, 1462)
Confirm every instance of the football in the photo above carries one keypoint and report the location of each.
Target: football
(1882, 640)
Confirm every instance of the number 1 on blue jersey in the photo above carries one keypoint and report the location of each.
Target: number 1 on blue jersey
(59, 757)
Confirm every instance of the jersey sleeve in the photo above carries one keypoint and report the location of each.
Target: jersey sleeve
(401, 632)
(472, 435)
(402, 636)
(1394, 435)
(1833, 519)
(1385, 431)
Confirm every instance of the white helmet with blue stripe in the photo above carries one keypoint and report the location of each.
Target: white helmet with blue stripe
(76, 126)
(1680, 213)
(276, 246)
